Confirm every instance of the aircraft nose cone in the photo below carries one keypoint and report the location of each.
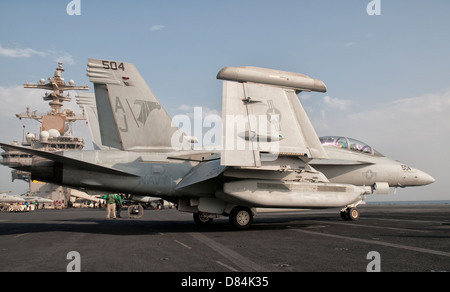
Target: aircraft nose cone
(415, 177)
(424, 178)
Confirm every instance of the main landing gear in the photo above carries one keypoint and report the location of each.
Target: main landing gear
(202, 219)
(350, 214)
(240, 217)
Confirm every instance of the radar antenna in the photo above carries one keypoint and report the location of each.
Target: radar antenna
(56, 87)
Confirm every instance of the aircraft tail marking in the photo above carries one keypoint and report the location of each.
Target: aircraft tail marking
(129, 114)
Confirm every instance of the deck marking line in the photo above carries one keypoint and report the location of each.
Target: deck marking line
(411, 248)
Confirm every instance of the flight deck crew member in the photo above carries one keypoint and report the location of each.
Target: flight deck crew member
(118, 205)
(110, 205)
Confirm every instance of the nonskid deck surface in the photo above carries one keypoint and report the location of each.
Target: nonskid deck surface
(386, 237)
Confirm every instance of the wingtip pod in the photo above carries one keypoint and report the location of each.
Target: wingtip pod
(296, 81)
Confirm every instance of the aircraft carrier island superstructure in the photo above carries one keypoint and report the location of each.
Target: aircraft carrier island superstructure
(55, 134)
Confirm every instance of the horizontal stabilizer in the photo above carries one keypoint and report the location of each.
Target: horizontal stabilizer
(70, 162)
(202, 172)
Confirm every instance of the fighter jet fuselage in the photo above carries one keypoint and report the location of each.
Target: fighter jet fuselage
(164, 174)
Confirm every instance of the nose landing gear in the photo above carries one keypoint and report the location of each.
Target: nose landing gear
(350, 213)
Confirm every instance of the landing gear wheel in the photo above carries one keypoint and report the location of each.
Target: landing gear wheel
(135, 211)
(350, 214)
(241, 217)
(202, 219)
(353, 214)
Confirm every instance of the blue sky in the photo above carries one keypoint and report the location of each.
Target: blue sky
(388, 76)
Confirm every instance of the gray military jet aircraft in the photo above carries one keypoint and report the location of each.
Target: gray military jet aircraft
(4, 198)
(271, 156)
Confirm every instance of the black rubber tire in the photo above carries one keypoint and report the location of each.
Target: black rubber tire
(202, 220)
(241, 217)
(353, 214)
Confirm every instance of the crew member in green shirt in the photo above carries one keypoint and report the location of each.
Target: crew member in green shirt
(110, 205)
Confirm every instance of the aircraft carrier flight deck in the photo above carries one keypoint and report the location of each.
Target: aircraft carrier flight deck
(386, 238)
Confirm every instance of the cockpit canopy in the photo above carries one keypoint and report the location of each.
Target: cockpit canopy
(349, 144)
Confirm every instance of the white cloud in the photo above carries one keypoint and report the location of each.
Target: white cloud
(20, 53)
(185, 108)
(64, 58)
(422, 116)
(305, 97)
(336, 103)
(191, 111)
(15, 99)
(157, 27)
(58, 56)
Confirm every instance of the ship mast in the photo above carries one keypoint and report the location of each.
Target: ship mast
(56, 86)
(55, 132)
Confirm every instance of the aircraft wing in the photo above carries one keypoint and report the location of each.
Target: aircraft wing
(10, 199)
(37, 199)
(67, 161)
(262, 114)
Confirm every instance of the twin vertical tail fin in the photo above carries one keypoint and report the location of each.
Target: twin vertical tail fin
(130, 116)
